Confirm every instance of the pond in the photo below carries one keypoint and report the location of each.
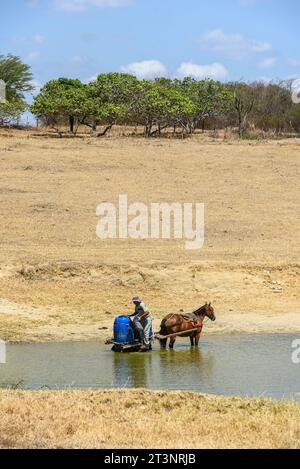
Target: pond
(238, 364)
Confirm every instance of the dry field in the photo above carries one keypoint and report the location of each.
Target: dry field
(59, 281)
(117, 419)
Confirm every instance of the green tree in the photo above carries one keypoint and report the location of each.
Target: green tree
(210, 98)
(61, 101)
(109, 100)
(272, 106)
(294, 117)
(18, 80)
(12, 109)
(244, 100)
(158, 106)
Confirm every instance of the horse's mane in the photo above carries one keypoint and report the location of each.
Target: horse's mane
(199, 310)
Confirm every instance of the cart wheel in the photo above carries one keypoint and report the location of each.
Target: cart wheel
(117, 348)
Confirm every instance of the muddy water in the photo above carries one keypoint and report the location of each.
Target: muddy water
(245, 365)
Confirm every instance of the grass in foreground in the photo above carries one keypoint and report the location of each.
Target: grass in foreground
(118, 418)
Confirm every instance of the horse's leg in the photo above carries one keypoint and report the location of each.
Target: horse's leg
(172, 342)
(197, 338)
(192, 340)
(163, 343)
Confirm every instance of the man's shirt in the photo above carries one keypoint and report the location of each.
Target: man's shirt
(141, 309)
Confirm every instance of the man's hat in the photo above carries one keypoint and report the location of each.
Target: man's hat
(136, 299)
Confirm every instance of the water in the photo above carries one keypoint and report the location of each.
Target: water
(242, 364)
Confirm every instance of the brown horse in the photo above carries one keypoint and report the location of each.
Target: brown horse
(174, 323)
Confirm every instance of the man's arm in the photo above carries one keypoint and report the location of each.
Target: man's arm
(145, 313)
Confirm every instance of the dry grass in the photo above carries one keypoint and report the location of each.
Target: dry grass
(59, 281)
(144, 419)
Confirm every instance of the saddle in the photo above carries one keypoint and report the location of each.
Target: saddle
(192, 317)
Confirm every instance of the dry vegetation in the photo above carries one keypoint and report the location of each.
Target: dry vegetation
(117, 419)
(59, 281)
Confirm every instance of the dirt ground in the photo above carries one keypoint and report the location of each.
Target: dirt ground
(103, 419)
(59, 281)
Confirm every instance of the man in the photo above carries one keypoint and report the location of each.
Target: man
(142, 321)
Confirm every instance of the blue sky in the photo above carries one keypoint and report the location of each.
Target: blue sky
(223, 39)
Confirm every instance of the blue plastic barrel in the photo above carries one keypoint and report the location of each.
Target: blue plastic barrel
(123, 331)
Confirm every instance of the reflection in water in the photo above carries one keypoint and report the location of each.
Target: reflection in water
(245, 365)
(162, 368)
(132, 370)
(187, 364)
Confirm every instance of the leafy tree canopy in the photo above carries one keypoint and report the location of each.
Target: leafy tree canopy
(18, 80)
(16, 75)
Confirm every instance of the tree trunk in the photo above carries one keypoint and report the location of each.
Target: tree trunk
(240, 125)
(94, 129)
(71, 122)
(107, 128)
(148, 129)
(158, 130)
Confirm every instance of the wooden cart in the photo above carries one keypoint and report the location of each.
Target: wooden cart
(136, 345)
(126, 346)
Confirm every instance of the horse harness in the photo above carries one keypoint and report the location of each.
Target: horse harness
(196, 324)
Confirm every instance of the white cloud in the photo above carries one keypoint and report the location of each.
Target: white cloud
(80, 5)
(269, 62)
(215, 71)
(294, 62)
(36, 39)
(265, 80)
(37, 87)
(147, 69)
(233, 45)
(76, 59)
(32, 56)
(92, 78)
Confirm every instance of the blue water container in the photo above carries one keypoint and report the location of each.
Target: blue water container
(123, 331)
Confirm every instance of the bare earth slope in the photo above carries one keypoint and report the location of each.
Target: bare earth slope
(59, 281)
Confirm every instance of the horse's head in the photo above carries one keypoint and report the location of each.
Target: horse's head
(209, 311)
